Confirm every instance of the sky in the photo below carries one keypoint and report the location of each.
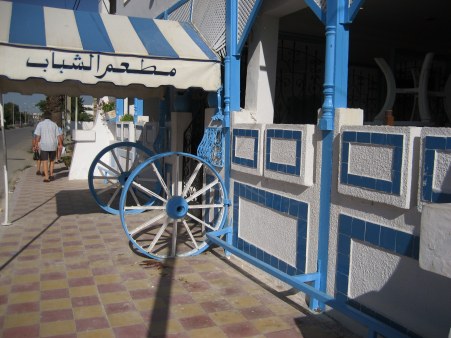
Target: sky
(28, 102)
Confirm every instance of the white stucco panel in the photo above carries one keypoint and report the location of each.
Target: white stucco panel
(442, 175)
(245, 147)
(434, 183)
(289, 153)
(378, 163)
(268, 230)
(435, 240)
(395, 287)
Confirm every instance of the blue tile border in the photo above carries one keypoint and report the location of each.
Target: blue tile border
(250, 133)
(394, 241)
(431, 145)
(280, 204)
(290, 135)
(395, 141)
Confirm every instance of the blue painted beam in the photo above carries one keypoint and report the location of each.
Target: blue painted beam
(119, 109)
(316, 10)
(372, 324)
(249, 24)
(353, 10)
(171, 9)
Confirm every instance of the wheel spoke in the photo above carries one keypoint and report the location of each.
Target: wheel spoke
(147, 223)
(114, 195)
(191, 179)
(200, 221)
(201, 191)
(134, 196)
(205, 206)
(117, 161)
(109, 167)
(174, 238)
(163, 185)
(190, 234)
(144, 179)
(127, 158)
(104, 190)
(145, 207)
(147, 191)
(157, 236)
(104, 177)
(177, 177)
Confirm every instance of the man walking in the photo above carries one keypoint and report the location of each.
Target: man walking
(49, 139)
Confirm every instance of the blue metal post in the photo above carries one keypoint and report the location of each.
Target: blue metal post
(119, 109)
(335, 95)
(139, 108)
(231, 85)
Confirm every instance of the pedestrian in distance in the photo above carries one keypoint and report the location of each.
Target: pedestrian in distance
(47, 137)
(36, 154)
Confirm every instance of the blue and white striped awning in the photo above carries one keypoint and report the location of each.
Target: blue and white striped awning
(58, 51)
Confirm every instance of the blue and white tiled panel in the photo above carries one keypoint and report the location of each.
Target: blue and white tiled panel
(289, 153)
(270, 227)
(247, 148)
(435, 180)
(376, 163)
(363, 269)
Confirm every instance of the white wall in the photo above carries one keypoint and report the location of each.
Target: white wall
(380, 184)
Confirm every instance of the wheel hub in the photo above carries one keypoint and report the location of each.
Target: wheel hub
(177, 207)
(123, 177)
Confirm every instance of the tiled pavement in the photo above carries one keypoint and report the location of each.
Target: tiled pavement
(66, 270)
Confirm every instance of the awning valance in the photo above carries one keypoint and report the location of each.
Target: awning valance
(59, 51)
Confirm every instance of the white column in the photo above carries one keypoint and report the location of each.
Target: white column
(261, 69)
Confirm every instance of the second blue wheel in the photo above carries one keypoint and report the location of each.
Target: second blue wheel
(109, 171)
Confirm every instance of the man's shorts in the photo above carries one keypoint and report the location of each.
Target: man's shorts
(48, 155)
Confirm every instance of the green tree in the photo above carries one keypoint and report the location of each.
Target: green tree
(9, 108)
(56, 105)
(108, 106)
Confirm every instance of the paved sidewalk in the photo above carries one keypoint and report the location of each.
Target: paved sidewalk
(67, 270)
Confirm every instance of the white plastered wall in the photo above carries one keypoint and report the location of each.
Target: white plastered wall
(89, 144)
(382, 280)
(261, 72)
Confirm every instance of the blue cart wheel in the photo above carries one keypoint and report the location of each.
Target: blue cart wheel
(111, 168)
(191, 202)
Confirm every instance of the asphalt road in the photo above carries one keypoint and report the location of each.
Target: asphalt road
(19, 157)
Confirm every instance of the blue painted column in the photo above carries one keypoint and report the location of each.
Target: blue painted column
(335, 95)
(139, 108)
(119, 109)
(231, 85)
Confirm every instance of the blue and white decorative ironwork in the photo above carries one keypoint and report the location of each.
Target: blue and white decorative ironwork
(212, 145)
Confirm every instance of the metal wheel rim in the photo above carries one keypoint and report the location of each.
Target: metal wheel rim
(161, 227)
(114, 183)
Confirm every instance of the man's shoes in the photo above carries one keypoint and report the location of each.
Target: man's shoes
(46, 180)
(52, 178)
(38, 173)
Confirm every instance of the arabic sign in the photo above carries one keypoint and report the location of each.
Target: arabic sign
(19, 63)
(84, 62)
